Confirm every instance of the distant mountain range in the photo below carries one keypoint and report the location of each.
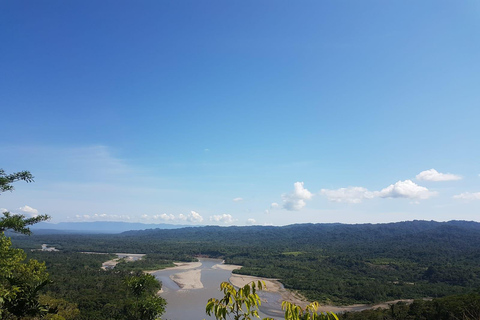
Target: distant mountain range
(322, 233)
(97, 227)
(153, 230)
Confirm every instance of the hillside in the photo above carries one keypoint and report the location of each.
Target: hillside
(328, 262)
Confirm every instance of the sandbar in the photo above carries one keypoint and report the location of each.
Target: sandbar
(191, 279)
(128, 257)
(179, 266)
(188, 280)
(185, 280)
(228, 267)
(272, 285)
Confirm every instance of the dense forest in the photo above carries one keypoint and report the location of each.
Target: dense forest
(464, 307)
(330, 263)
(77, 288)
(93, 293)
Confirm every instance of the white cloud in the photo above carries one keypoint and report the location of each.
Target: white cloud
(273, 206)
(401, 189)
(296, 200)
(225, 218)
(237, 199)
(468, 196)
(434, 175)
(164, 217)
(348, 195)
(3, 210)
(30, 210)
(193, 217)
(405, 189)
(183, 217)
(103, 217)
(251, 221)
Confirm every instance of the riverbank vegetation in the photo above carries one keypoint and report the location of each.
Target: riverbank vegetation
(99, 294)
(464, 307)
(76, 289)
(329, 263)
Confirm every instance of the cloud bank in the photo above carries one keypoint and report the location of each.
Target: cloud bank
(348, 195)
(102, 217)
(467, 196)
(401, 189)
(406, 189)
(191, 217)
(434, 175)
(225, 218)
(29, 210)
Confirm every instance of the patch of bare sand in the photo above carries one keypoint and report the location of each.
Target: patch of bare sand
(361, 307)
(179, 266)
(276, 286)
(128, 257)
(188, 280)
(272, 285)
(109, 264)
(228, 267)
(186, 265)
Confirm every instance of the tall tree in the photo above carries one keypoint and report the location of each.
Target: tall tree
(20, 280)
(6, 180)
(146, 305)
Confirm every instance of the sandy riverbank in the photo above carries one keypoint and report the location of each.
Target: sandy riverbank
(188, 280)
(361, 307)
(179, 266)
(228, 267)
(272, 285)
(128, 257)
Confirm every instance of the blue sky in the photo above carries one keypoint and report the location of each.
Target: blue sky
(242, 112)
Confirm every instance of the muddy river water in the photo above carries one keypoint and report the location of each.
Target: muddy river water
(189, 304)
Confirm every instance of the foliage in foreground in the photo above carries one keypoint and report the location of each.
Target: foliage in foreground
(20, 280)
(243, 304)
(294, 312)
(77, 278)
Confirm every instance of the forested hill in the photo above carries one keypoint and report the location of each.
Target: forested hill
(455, 232)
(97, 227)
(346, 263)
(341, 263)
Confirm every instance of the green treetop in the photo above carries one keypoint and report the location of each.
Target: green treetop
(20, 281)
